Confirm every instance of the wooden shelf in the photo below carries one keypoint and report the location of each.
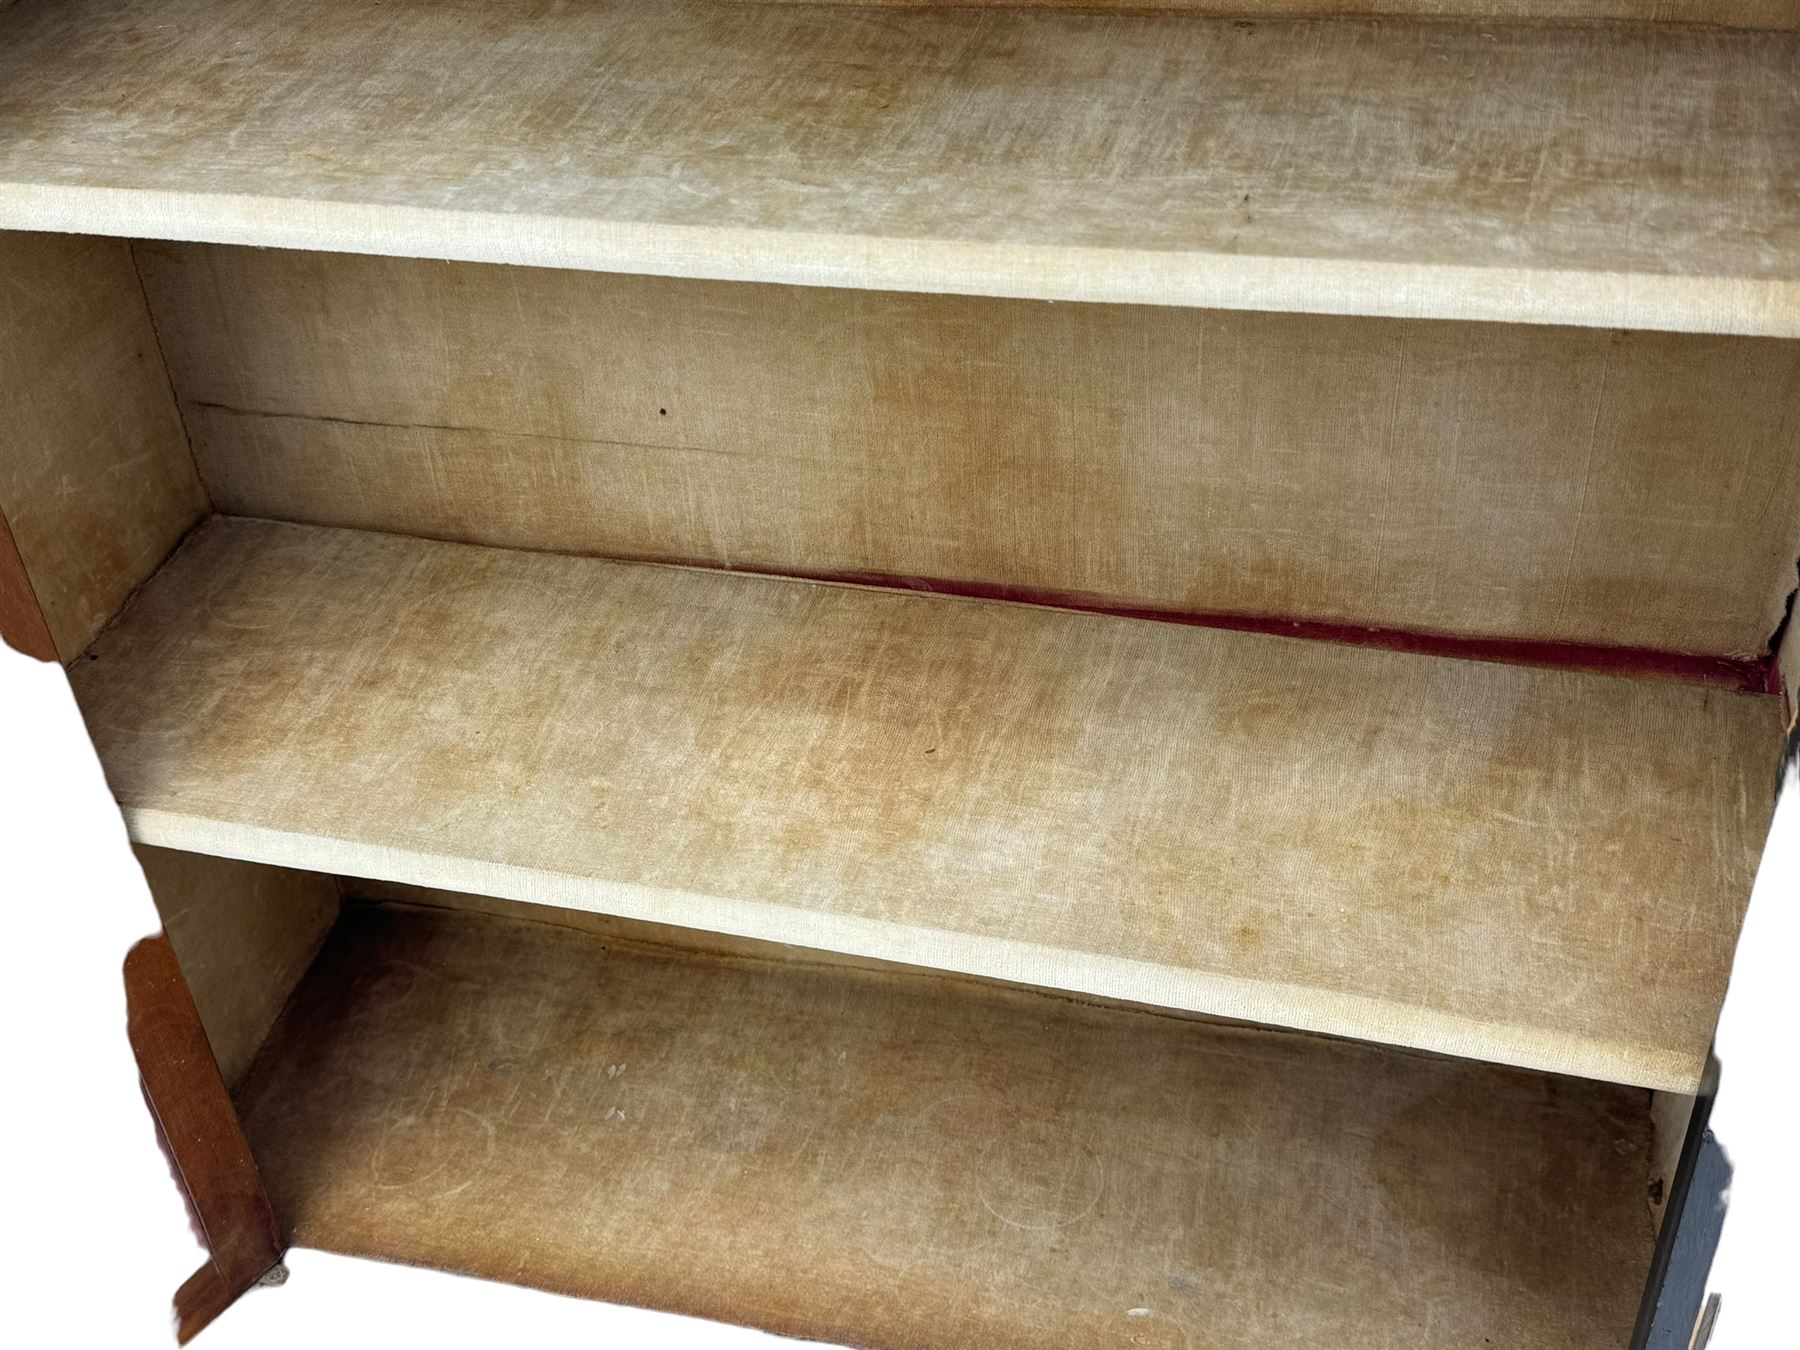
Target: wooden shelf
(1611, 175)
(1523, 865)
(894, 1162)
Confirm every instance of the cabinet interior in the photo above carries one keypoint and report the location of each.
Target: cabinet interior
(995, 676)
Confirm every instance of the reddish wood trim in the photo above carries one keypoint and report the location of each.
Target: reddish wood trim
(22, 625)
(1744, 674)
(202, 1135)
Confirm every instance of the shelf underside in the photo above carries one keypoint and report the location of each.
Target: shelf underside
(1524, 865)
(1615, 175)
(895, 1162)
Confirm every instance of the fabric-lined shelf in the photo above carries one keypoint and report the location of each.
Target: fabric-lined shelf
(1531, 866)
(1599, 174)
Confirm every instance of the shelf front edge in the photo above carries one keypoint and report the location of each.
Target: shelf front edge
(1096, 975)
(1201, 280)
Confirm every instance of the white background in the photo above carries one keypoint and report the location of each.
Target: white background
(96, 1235)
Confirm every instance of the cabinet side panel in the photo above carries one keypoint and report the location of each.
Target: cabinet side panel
(244, 935)
(1477, 480)
(96, 479)
(202, 1135)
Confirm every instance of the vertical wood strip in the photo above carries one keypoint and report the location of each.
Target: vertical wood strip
(204, 1138)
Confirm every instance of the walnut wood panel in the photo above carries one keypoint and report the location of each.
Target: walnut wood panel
(1636, 489)
(201, 1131)
(1614, 175)
(870, 1160)
(1528, 865)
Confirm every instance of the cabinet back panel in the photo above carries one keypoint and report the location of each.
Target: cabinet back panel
(1563, 484)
